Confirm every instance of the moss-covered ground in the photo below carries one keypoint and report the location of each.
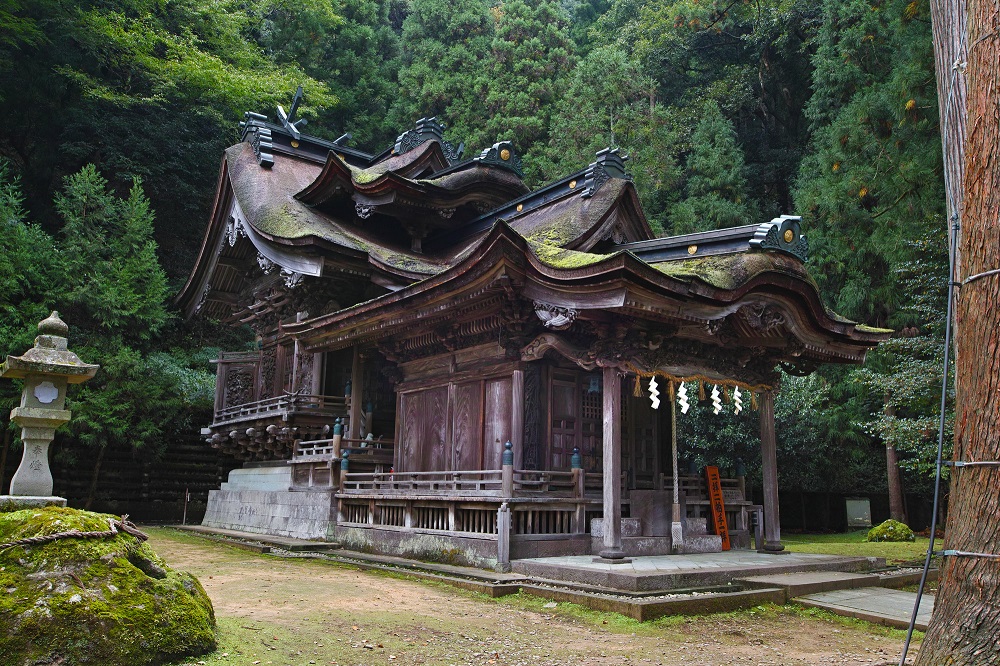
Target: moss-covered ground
(854, 544)
(277, 611)
(108, 601)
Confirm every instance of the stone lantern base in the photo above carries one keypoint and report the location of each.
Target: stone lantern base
(10, 503)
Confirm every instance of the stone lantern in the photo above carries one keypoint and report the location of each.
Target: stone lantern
(47, 368)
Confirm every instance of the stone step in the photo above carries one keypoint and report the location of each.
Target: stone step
(874, 604)
(812, 582)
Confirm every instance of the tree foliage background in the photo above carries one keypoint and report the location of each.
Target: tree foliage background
(117, 111)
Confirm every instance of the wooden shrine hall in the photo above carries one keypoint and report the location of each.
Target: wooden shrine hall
(447, 363)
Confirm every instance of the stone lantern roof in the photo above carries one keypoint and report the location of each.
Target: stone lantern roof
(49, 356)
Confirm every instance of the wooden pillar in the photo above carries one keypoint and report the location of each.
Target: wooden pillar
(517, 417)
(676, 526)
(357, 396)
(768, 454)
(612, 465)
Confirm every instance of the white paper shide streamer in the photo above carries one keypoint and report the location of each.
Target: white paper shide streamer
(654, 394)
(737, 401)
(682, 399)
(716, 399)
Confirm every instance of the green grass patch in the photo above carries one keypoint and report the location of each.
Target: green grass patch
(854, 544)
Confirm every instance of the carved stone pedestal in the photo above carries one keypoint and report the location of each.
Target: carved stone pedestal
(33, 477)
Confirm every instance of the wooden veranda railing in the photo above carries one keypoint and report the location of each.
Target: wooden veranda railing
(320, 405)
(472, 483)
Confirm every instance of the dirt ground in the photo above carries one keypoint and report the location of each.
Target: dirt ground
(293, 612)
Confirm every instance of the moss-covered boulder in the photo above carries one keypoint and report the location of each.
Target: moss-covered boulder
(890, 530)
(109, 601)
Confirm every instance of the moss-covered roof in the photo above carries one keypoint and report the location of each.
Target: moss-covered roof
(266, 197)
(873, 329)
(557, 257)
(569, 218)
(730, 271)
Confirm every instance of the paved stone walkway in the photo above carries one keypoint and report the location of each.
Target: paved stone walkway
(874, 604)
(662, 572)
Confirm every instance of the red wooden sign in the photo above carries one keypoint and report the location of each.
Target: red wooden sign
(718, 505)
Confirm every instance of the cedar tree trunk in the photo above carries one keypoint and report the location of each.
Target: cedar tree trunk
(94, 477)
(951, 47)
(897, 511)
(963, 629)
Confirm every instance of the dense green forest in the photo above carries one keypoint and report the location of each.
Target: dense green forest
(116, 113)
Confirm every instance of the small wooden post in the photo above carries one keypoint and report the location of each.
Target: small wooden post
(338, 436)
(507, 476)
(344, 465)
(503, 538)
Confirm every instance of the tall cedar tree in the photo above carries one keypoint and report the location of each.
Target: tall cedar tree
(26, 276)
(352, 48)
(871, 185)
(147, 89)
(112, 293)
(445, 54)
(963, 629)
(609, 104)
(743, 57)
(113, 283)
(715, 192)
(531, 56)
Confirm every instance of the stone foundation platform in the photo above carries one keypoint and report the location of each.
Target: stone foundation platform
(257, 499)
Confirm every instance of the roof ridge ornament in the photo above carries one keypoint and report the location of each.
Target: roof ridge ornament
(782, 234)
(288, 119)
(502, 155)
(610, 163)
(428, 129)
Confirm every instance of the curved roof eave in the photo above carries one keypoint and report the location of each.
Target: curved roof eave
(187, 297)
(796, 282)
(621, 267)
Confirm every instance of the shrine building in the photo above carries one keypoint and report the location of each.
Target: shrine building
(450, 363)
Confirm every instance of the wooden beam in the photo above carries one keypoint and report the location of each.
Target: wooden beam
(233, 262)
(227, 297)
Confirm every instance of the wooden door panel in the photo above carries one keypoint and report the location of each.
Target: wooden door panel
(434, 416)
(496, 420)
(467, 426)
(411, 431)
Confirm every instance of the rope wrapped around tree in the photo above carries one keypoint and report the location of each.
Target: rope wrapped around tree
(114, 526)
